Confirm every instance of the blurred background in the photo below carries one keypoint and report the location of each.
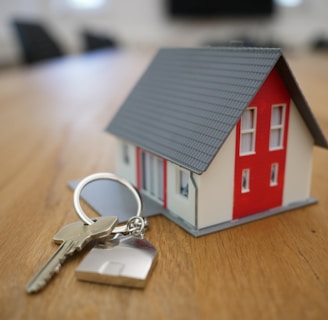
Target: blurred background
(66, 27)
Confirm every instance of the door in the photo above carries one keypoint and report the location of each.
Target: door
(151, 176)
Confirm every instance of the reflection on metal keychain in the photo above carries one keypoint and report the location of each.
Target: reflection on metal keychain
(128, 258)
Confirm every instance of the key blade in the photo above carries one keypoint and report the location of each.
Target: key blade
(50, 268)
(73, 237)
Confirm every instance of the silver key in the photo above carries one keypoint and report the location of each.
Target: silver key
(73, 237)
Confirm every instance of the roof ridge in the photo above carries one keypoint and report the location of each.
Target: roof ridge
(225, 48)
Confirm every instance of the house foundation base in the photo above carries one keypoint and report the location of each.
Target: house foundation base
(233, 223)
(109, 199)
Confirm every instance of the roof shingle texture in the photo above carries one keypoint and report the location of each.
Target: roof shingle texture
(188, 101)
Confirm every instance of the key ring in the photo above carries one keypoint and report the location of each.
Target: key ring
(135, 225)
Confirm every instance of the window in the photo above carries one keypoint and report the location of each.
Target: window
(86, 4)
(247, 131)
(80, 6)
(245, 181)
(183, 185)
(274, 174)
(277, 127)
(289, 3)
(125, 153)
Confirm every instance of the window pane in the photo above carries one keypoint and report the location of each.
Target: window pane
(274, 174)
(184, 183)
(275, 138)
(247, 120)
(277, 116)
(245, 180)
(246, 144)
(126, 155)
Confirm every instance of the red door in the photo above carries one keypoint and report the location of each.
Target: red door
(261, 142)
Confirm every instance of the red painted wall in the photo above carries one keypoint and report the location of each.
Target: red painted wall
(262, 196)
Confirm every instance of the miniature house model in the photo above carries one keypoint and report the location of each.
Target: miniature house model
(218, 136)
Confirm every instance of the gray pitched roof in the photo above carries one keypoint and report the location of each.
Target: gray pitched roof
(188, 101)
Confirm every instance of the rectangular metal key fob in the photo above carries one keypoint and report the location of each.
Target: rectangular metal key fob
(125, 261)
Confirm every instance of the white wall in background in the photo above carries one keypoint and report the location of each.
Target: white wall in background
(143, 23)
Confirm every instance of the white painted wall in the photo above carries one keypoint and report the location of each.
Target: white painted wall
(144, 23)
(216, 186)
(298, 160)
(177, 203)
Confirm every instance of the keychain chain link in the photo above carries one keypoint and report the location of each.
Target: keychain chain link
(137, 226)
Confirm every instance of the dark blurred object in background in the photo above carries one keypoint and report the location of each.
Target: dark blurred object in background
(94, 41)
(36, 43)
(320, 43)
(205, 8)
(243, 41)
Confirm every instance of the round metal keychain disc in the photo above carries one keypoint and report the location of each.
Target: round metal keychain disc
(112, 177)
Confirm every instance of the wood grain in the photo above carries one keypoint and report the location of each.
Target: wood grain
(52, 118)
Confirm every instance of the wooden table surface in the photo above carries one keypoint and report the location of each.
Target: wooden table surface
(52, 118)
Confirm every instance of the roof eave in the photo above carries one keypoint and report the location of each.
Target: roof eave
(301, 103)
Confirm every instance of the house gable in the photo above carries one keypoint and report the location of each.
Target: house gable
(301, 103)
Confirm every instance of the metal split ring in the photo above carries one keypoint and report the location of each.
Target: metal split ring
(136, 224)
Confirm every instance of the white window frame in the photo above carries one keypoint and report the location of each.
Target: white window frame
(182, 176)
(274, 174)
(248, 131)
(245, 184)
(278, 127)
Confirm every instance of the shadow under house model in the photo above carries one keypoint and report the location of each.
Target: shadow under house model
(218, 137)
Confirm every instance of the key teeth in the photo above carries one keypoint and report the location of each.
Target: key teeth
(36, 287)
(67, 248)
(42, 282)
(56, 270)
